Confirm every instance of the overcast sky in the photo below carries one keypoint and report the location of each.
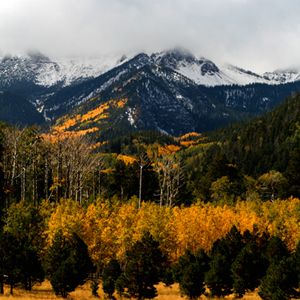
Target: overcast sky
(256, 34)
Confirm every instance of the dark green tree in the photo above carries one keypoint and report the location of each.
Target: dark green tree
(276, 249)
(24, 221)
(248, 268)
(189, 273)
(143, 269)
(10, 261)
(111, 273)
(280, 282)
(67, 263)
(25, 224)
(296, 262)
(219, 279)
(31, 270)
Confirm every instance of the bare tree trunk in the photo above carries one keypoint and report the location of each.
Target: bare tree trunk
(99, 184)
(46, 178)
(59, 173)
(94, 187)
(80, 188)
(34, 180)
(23, 184)
(140, 185)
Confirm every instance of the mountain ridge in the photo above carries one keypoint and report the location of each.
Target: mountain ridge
(161, 96)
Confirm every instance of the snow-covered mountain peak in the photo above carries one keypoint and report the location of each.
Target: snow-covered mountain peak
(41, 70)
(171, 58)
(283, 76)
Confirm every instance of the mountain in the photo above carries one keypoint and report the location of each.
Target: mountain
(17, 110)
(160, 98)
(248, 160)
(171, 91)
(204, 72)
(45, 72)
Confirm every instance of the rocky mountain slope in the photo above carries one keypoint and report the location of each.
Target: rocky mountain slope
(171, 91)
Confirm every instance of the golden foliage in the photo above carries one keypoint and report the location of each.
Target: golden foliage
(190, 139)
(167, 150)
(128, 160)
(110, 229)
(100, 112)
(66, 126)
(69, 217)
(55, 136)
(190, 135)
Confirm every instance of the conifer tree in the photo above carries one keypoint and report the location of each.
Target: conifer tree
(143, 269)
(67, 263)
(189, 273)
(248, 268)
(111, 273)
(218, 279)
(279, 282)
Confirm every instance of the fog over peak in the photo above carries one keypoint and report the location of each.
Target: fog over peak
(259, 35)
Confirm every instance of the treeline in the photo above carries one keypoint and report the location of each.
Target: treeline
(36, 166)
(256, 160)
(130, 249)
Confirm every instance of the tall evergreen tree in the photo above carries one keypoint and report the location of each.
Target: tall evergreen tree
(111, 273)
(67, 263)
(280, 282)
(189, 273)
(219, 279)
(248, 268)
(143, 269)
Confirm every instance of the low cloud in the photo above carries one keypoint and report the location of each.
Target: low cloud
(255, 34)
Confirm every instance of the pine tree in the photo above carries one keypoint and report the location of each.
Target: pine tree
(248, 268)
(67, 263)
(111, 273)
(189, 273)
(19, 263)
(143, 269)
(219, 279)
(279, 282)
(276, 249)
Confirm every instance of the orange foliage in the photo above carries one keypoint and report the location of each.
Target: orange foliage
(128, 160)
(110, 229)
(190, 135)
(55, 136)
(93, 115)
(190, 139)
(188, 143)
(167, 149)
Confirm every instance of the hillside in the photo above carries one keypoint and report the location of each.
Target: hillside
(267, 142)
(270, 142)
(17, 110)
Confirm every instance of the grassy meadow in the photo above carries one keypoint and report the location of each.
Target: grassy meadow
(44, 291)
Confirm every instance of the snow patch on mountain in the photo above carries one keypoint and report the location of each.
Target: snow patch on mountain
(283, 76)
(204, 72)
(69, 71)
(46, 72)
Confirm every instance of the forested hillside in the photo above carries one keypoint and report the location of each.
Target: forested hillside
(135, 209)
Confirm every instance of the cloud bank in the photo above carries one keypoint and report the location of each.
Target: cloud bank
(256, 34)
